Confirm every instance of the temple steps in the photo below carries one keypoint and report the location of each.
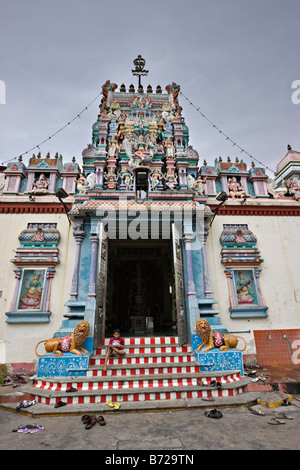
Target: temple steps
(153, 369)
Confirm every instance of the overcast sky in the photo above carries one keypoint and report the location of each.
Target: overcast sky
(235, 59)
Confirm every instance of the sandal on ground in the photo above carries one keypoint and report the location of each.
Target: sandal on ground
(22, 426)
(216, 414)
(7, 381)
(101, 420)
(286, 402)
(36, 429)
(283, 416)
(72, 389)
(91, 422)
(117, 406)
(213, 383)
(85, 418)
(24, 430)
(276, 421)
(208, 399)
(255, 411)
(19, 405)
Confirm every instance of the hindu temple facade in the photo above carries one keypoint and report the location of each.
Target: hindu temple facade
(145, 237)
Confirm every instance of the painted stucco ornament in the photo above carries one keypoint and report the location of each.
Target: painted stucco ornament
(214, 339)
(85, 184)
(70, 343)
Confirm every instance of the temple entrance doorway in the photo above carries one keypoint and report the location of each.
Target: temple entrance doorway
(140, 296)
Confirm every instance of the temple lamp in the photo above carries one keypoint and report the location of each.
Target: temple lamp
(62, 194)
(222, 197)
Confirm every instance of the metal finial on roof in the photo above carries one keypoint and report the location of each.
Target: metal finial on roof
(139, 70)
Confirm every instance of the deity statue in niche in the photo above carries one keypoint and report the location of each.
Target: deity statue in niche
(41, 185)
(126, 178)
(113, 150)
(235, 189)
(161, 130)
(245, 293)
(169, 148)
(155, 179)
(111, 178)
(31, 291)
(170, 179)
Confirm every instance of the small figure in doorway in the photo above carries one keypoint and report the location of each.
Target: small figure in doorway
(115, 347)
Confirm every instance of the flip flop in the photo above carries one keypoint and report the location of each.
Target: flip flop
(19, 427)
(101, 420)
(117, 406)
(27, 403)
(276, 421)
(38, 428)
(72, 389)
(216, 414)
(109, 403)
(256, 412)
(283, 416)
(59, 404)
(24, 430)
(19, 405)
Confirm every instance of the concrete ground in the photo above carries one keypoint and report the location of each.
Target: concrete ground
(161, 432)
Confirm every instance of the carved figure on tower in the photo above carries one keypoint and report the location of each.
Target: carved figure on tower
(107, 91)
(235, 189)
(41, 185)
(173, 91)
(155, 178)
(170, 179)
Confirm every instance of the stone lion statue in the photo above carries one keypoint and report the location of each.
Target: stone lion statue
(71, 343)
(214, 339)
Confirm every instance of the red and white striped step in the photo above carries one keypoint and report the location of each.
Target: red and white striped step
(154, 368)
(143, 383)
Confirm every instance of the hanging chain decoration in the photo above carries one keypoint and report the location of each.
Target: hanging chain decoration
(221, 132)
(55, 133)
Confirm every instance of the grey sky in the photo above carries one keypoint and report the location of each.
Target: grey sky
(235, 59)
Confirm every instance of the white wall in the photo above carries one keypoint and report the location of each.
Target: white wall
(278, 239)
(20, 338)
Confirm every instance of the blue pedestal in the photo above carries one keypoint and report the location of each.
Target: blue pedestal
(68, 365)
(216, 360)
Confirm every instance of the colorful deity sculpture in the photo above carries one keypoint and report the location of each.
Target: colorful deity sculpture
(170, 179)
(155, 179)
(41, 185)
(111, 178)
(126, 178)
(235, 189)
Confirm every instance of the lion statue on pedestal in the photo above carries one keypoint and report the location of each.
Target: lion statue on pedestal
(71, 343)
(214, 339)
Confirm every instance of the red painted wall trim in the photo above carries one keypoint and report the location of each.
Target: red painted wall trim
(32, 208)
(258, 210)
